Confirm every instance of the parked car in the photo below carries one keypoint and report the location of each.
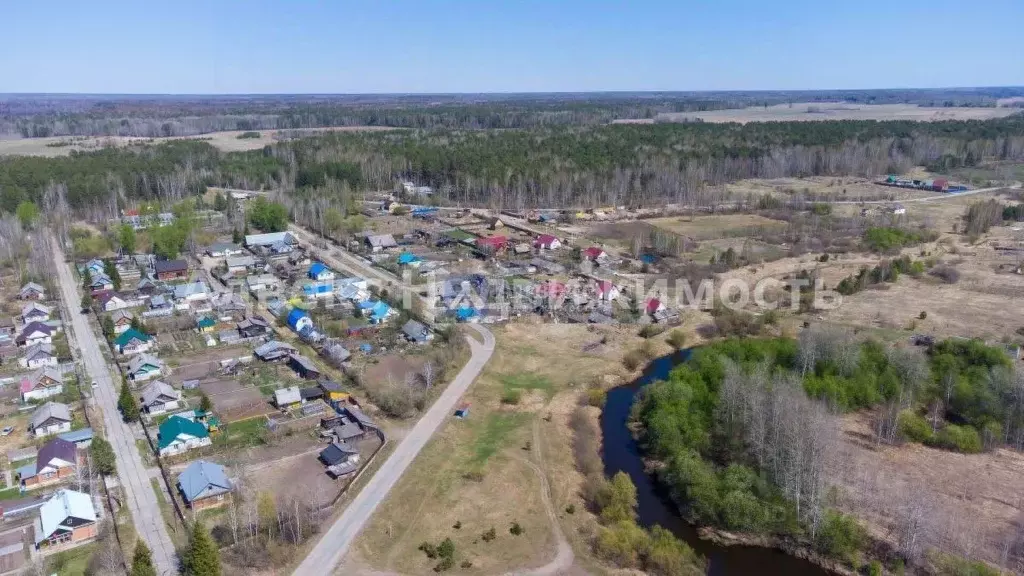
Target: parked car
(7, 431)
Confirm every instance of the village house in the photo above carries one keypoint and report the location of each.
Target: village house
(378, 242)
(56, 460)
(268, 240)
(341, 459)
(240, 264)
(34, 333)
(99, 283)
(191, 292)
(607, 291)
(204, 485)
(492, 243)
(299, 320)
(122, 320)
(304, 367)
(32, 291)
(653, 306)
(285, 398)
(41, 384)
(223, 249)
(38, 355)
(594, 254)
(7, 328)
(333, 392)
(131, 341)
(35, 312)
(228, 304)
(66, 519)
(320, 272)
(50, 418)
(159, 397)
(171, 270)
(81, 437)
(144, 367)
(109, 301)
(177, 435)
(273, 351)
(547, 242)
(262, 282)
(416, 332)
(253, 327)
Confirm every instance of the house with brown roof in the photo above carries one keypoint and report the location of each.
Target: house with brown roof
(171, 270)
(56, 461)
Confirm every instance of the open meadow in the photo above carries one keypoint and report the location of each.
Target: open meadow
(821, 111)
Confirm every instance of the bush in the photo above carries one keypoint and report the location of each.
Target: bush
(840, 536)
(914, 427)
(570, 509)
(429, 549)
(651, 330)
(512, 397)
(947, 274)
(677, 339)
(633, 360)
(446, 563)
(516, 529)
(922, 315)
(489, 535)
(823, 258)
(596, 397)
(963, 439)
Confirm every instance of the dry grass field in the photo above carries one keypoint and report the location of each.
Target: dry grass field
(846, 188)
(226, 141)
(719, 226)
(969, 504)
(816, 111)
(482, 472)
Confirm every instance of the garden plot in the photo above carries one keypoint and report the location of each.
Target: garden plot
(233, 401)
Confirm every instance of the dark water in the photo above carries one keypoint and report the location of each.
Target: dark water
(653, 505)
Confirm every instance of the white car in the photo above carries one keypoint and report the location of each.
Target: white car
(6, 431)
(94, 384)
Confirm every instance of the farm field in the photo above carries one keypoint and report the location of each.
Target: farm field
(819, 111)
(704, 227)
(225, 141)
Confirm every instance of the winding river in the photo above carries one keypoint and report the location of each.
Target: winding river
(653, 505)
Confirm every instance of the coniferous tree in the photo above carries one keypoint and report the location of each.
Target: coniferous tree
(103, 460)
(142, 561)
(127, 404)
(201, 557)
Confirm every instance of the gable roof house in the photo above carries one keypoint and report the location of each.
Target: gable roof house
(222, 249)
(416, 332)
(131, 341)
(35, 312)
(6, 327)
(320, 272)
(32, 291)
(285, 398)
(378, 242)
(178, 435)
(299, 320)
(100, 282)
(304, 366)
(159, 397)
(50, 418)
(41, 384)
(654, 306)
(122, 320)
(110, 301)
(191, 292)
(273, 351)
(144, 367)
(594, 254)
(34, 333)
(171, 269)
(38, 355)
(606, 290)
(260, 282)
(240, 264)
(492, 243)
(57, 460)
(269, 239)
(253, 327)
(341, 458)
(66, 519)
(547, 242)
(204, 485)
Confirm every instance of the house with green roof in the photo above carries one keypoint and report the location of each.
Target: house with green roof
(206, 324)
(131, 341)
(178, 435)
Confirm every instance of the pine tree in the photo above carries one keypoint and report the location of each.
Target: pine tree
(87, 280)
(142, 561)
(127, 404)
(103, 460)
(202, 557)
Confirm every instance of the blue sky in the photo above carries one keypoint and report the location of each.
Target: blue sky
(343, 46)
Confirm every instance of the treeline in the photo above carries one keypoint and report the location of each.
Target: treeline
(557, 167)
(747, 428)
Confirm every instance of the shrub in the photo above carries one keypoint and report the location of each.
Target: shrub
(457, 525)
(633, 360)
(516, 529)
(677, 339)
(429, 549)
(570, 509)
(489, 535)
(922, 315)
(823, 258)
(947, 274)
(596, 397)
(446, 563)
(512, 397)
(960, 438)
(914, 427)
(840, 536)
(466, 564)
(651, 330)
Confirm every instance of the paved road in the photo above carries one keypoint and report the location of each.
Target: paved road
(132, 473)
(335, 542)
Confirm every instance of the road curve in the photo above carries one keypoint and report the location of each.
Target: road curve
(139, 494)
(333, 545)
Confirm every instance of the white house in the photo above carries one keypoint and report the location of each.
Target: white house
(50, 418)
(191, 292)
(607, 291)
(547, 242)
(35, 312)
(41, 384)
(159, 397)
(34, 333)
(38, 355)
(177, 435)
(144, 367)
(32, 291)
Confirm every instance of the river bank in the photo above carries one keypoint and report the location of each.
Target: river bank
(727, 554)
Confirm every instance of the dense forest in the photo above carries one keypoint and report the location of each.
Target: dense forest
(547, 167)
(747, 429)
(34, 115)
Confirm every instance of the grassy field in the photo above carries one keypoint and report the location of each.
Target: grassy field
(818, 111)
(723, 226)
(481, 472)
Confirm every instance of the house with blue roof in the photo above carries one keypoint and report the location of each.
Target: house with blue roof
(204, 485)
(299, 320)
(409, 259)
(380, 312)
(466, 313)
(316, 290)
(320, 272)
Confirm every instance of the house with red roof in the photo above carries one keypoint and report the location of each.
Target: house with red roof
(594, 254)
(607, 291)
(654, 305)
(547, 242)
(550, 289)
(493, 243)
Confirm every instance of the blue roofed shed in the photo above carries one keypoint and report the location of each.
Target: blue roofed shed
(298, 320)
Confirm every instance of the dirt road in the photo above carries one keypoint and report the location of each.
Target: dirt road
(335, 542)
(133, 475)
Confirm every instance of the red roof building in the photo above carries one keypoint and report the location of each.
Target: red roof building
(492, 242)
(607, 290)
(546, 242)
(593, 253)
(654, 305)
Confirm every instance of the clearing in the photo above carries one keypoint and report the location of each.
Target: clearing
(816, 111)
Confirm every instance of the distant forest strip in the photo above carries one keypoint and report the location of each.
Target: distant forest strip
(541, 167)
(158, 116)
